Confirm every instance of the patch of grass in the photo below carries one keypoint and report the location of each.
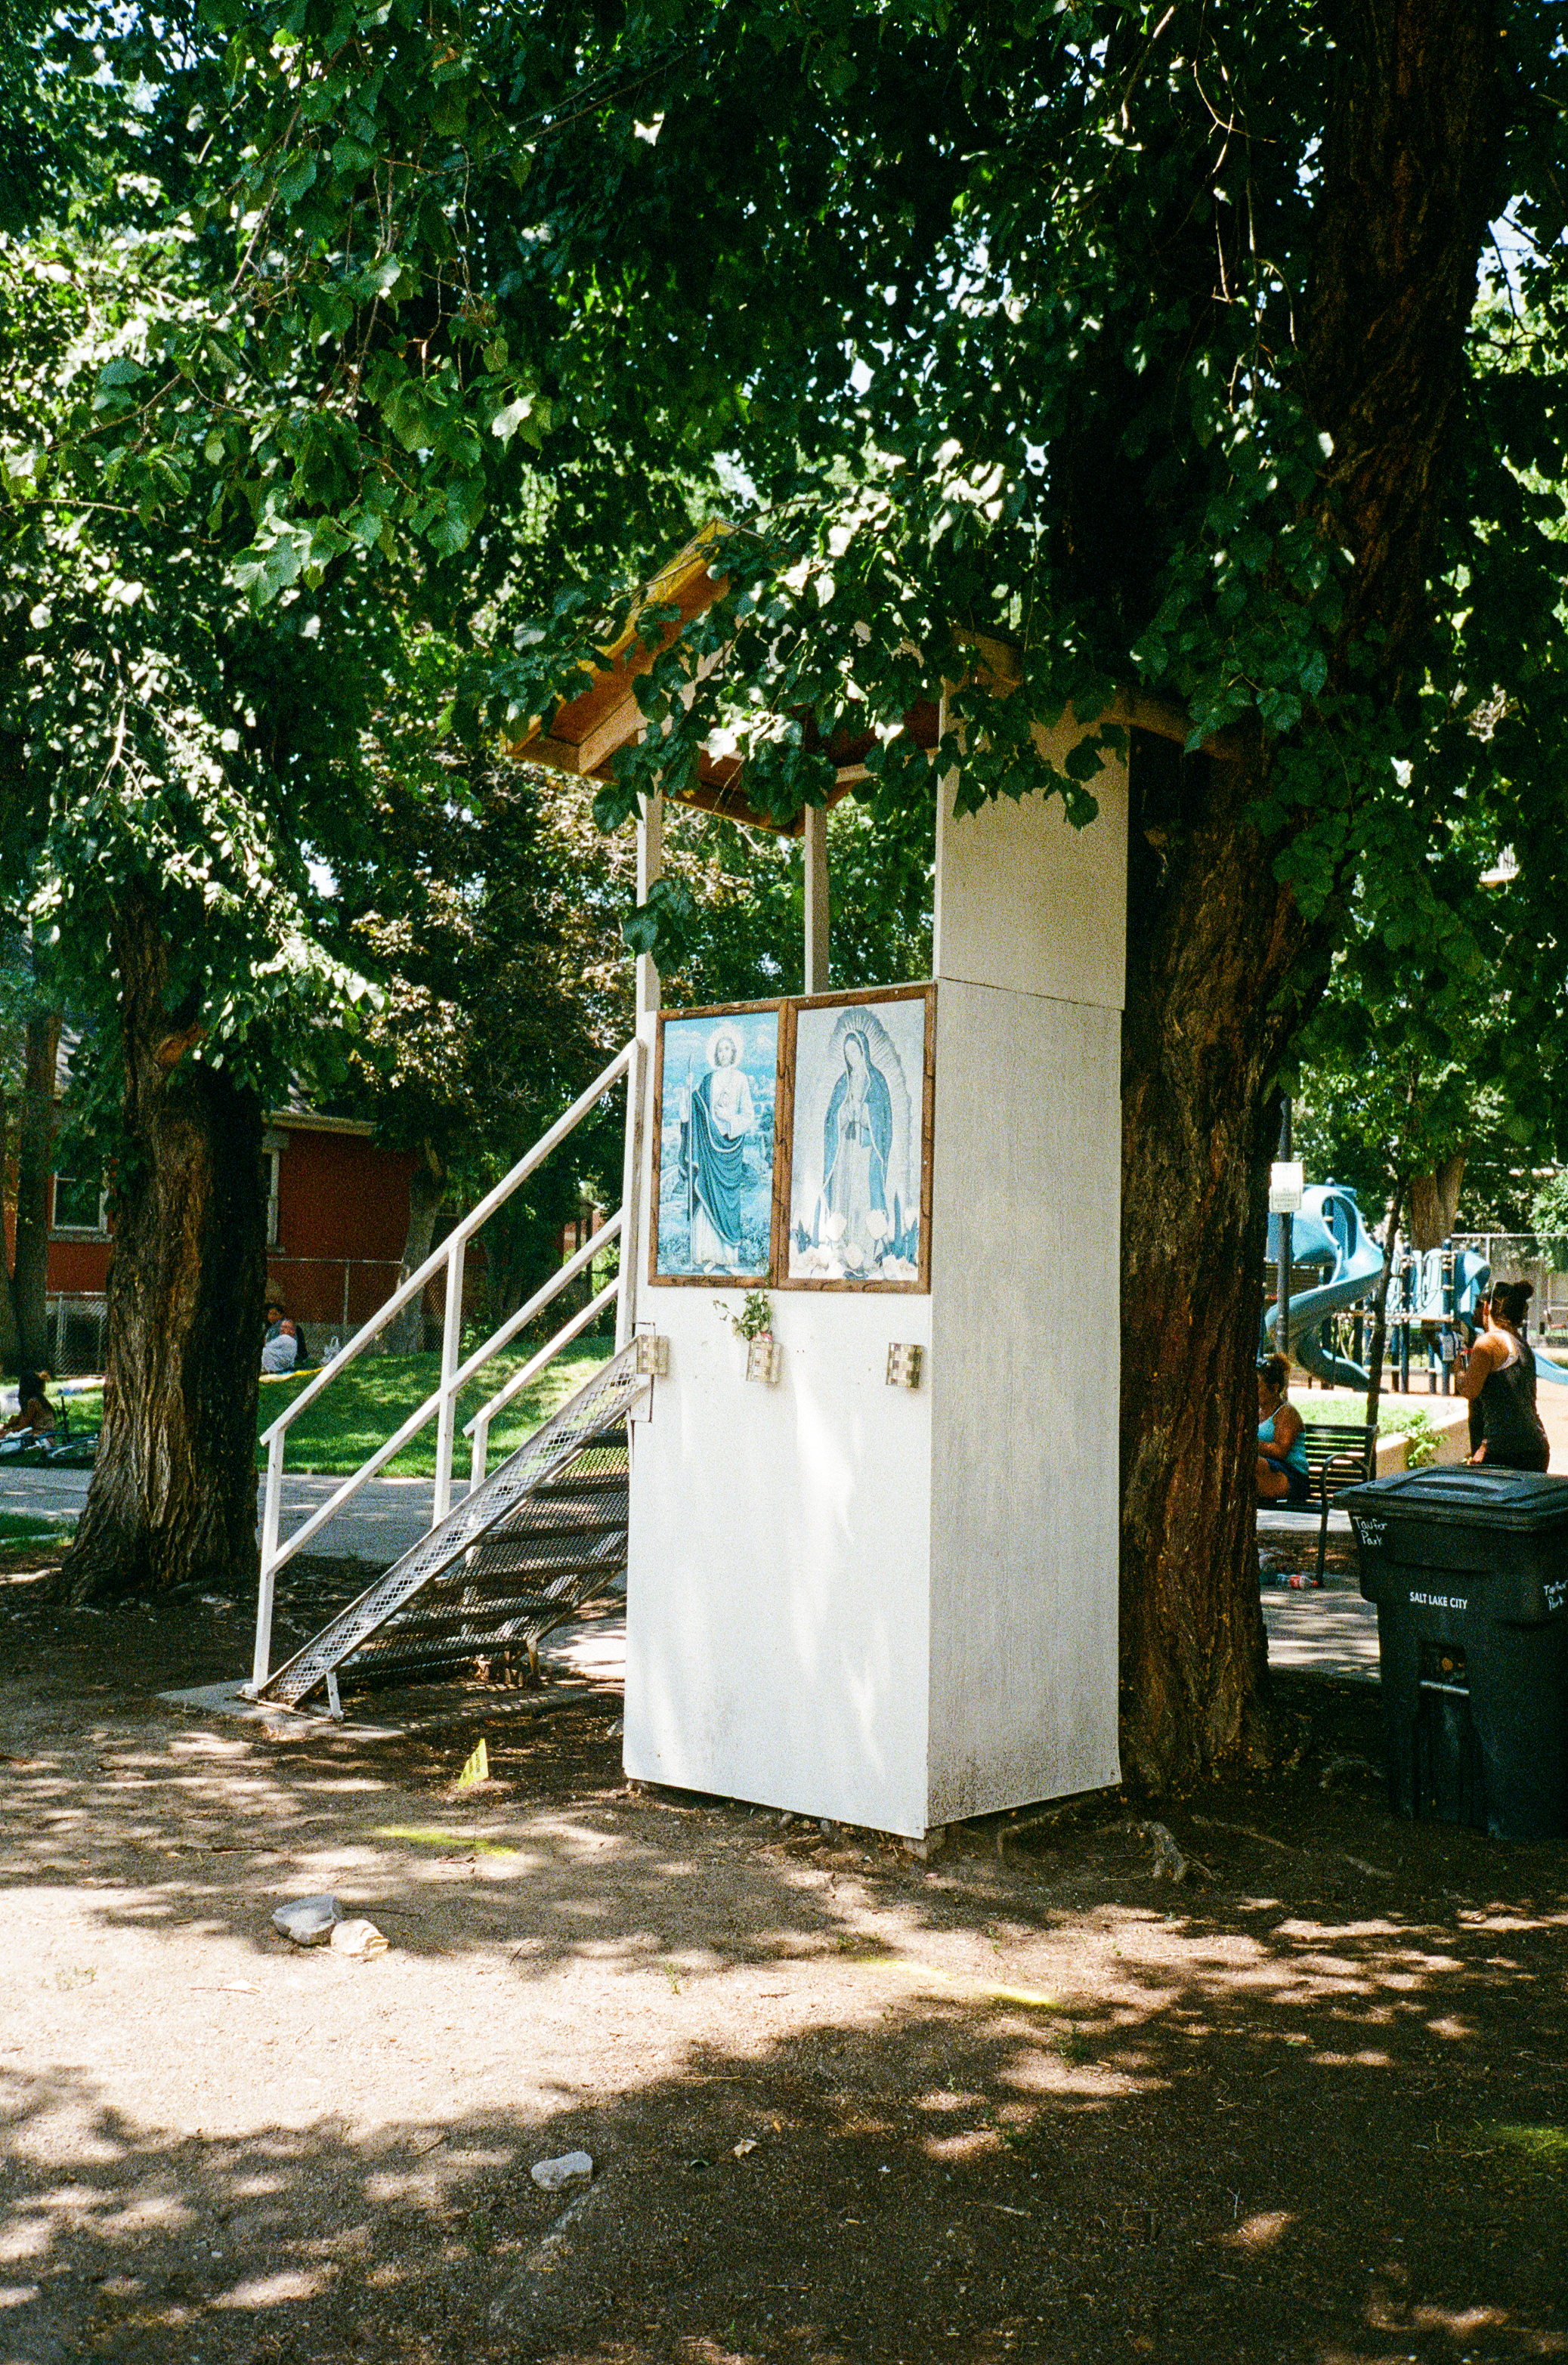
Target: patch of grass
(22, 1528)
(375, 1395)
(1397, 1416)
(1537, 2146)
(365, 1404)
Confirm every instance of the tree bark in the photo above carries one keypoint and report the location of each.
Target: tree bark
(10, 1336)
(1216, 952)
(1379, 1303)
(35, 1161)
(1434, 1203)
(173, 1495)
(1410, 179)
(427, 1188)
(1221, 967)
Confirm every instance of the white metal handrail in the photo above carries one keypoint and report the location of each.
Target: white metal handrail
(441, 1404)
(459, 1235)
(479, 1428)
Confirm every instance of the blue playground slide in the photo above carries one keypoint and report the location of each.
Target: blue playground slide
(1327, 1231)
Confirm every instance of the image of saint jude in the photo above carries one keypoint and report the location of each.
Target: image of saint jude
(722, 1120)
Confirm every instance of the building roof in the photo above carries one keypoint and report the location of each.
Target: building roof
(304, 1120)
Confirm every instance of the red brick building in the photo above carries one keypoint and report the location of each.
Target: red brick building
(337, 1218)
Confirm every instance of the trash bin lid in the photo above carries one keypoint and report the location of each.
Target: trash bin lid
(1519, 1500)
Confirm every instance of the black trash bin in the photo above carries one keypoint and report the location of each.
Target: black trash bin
(1468, 1570)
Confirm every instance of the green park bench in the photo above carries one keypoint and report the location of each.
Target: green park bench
(1339, 1453)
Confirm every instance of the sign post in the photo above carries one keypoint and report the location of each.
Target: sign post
(1287, 1178)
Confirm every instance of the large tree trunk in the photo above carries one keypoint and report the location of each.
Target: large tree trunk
(174, 1490)
(1434, 1203)
(35, 1162)
(10, 1337)
(427, 1188)
(1213, 942)
(1410, 181)
(1221, 968)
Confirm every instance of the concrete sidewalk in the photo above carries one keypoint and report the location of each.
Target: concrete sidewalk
(1334, 1630)
(385, 1519)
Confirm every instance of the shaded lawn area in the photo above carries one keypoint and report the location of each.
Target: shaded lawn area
(365, 1404)
(29, 1528)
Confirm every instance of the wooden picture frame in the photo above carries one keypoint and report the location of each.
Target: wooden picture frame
(787, 1165)
(711, 1018)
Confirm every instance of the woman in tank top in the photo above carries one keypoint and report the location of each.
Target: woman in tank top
(1281, 1447)
(1499, 1380)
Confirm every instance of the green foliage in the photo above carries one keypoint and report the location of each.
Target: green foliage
(754, 1319)
(919, 278)
(152, 734)
(1549, 1220)
(664, 923)
(988, 323)
(1423, 1441)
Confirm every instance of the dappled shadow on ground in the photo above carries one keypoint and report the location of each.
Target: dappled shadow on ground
(843, 2106)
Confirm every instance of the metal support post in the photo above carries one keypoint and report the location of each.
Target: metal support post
(1283, 1325)
(1405, 1283)
(481, 1454)
(630, 1196)
(818, 904)
(650, 868)
(271, 1514)
(451, 1355)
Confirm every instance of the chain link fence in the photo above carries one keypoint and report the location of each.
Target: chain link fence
(1520, 1256)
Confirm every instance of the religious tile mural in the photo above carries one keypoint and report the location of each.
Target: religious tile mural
(717, 1095)
(859, 1143)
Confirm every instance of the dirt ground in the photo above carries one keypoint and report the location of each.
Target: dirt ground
(1026, 2100)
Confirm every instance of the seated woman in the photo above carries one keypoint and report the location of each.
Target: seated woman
(280, 1342)
(35, 1413)
(1506, 1432)
(1282, 1442)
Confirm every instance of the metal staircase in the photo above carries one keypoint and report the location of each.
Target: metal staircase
(538, 1539)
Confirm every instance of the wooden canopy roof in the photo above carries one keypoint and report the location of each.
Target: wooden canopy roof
(588, 731)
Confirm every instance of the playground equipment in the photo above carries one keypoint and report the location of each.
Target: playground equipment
(1329, 1231)
(1432, 1293)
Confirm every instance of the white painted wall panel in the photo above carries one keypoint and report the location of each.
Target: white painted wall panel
(1024, 900)
(779, 1579)
(1024, 1265)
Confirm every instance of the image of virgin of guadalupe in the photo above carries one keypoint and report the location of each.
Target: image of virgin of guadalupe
(857, 1137)
(722, 1118)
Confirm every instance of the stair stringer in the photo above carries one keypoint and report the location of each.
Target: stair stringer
(598, 1409)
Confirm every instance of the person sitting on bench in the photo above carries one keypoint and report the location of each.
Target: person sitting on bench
(34, 1411)
(1281, 1444)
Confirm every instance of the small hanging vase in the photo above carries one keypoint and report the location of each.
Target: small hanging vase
(764, 1360)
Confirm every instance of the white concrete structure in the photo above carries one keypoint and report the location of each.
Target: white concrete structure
(895, 1607)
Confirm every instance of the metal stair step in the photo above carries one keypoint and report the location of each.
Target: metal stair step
(580, 1452)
